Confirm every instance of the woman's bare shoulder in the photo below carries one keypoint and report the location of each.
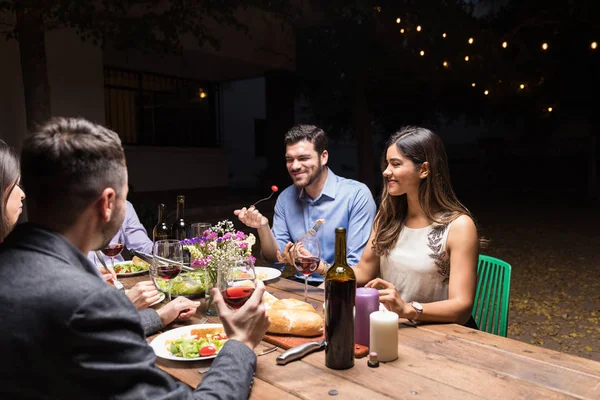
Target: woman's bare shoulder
(462, 228)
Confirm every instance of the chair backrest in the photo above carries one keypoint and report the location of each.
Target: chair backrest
(490, 309)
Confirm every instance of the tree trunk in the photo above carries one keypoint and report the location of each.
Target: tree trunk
(362, 127)
(32, 46)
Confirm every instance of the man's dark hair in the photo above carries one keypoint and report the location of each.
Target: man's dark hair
(65, 165)
(311, 133)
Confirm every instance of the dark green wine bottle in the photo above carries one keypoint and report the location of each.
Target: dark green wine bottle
(161, 231)
(340, 296)
(179, 229)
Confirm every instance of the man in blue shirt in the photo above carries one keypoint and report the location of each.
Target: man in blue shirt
(316, 193)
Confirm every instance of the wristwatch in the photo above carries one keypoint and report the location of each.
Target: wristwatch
(418, 308)
(326, 267)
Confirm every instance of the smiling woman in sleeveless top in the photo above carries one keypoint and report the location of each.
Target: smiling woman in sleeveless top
(11, 194)
(423, 248)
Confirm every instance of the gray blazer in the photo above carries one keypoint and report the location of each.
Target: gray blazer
(66, 334)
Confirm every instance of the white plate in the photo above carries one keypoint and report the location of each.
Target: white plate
(268, 273)
(161, 297)
(124, 275)
(159, 344)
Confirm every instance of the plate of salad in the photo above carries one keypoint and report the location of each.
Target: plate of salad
(131, 268)
(265, 274)
(190, 343)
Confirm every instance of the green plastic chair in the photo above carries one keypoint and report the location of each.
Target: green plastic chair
(490, 309)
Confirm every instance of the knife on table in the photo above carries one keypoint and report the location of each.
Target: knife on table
(296, 353)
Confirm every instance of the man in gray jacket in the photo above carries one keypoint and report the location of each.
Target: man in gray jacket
(66, 333)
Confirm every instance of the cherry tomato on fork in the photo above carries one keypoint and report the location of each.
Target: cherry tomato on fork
(274, 188)
(207, 351)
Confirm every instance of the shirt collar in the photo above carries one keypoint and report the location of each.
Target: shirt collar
(329, 189)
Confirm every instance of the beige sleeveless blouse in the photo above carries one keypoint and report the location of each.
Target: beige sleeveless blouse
(419, 265)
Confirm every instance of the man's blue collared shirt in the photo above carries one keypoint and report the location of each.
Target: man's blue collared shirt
(343, 203)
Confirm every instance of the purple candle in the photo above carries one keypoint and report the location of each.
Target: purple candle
(367, 301)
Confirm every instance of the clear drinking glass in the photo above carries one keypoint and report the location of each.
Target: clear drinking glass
(306, 254)
(198, 228)
(167, 262)
(239, 283)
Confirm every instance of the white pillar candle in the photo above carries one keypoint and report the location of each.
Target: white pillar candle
(384, 335)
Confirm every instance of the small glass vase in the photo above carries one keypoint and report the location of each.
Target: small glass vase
(214, 278)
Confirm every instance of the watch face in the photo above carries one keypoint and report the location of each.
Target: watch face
(417, 306)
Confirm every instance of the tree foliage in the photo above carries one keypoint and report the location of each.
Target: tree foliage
(154, 25)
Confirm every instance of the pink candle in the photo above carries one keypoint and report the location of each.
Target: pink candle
(367, 301)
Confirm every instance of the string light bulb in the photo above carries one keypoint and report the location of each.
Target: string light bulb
(522, 86)
(467, 58)
(549, 109)
(418, 28)
(471, 40)
(486, 92)
(594, 45)
(504, 45)
(398, 20)
(422, 53)
(444, 35)
(402, 30)
(473, 84)
(544, 46)
(445, 64)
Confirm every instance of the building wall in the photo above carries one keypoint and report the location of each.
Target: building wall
(169, 168)
(13, 126)
(76, 76)
(243, 103)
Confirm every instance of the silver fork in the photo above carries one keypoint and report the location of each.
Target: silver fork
(313, 231)
(117, 284)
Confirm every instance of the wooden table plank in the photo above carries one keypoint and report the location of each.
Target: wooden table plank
(313, 382)
(503, 361)
(561, 360)
(478, 381)
(388, 379)
(262, 390)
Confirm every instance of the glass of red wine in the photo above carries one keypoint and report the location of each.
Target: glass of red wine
(166, 263)
(306, 254)
(239, 283)
(115, 247)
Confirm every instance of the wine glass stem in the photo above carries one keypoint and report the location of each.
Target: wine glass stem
(169, 285)
(306, 288)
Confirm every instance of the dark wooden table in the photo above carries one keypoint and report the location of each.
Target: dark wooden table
(435, 361)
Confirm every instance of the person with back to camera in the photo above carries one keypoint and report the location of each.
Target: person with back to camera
(141, 294)
(423, 249)
(67, 334)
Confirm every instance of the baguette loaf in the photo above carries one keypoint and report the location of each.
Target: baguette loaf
(294, 317)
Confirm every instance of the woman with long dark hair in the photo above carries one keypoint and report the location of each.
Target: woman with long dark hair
(423, 249)
(11, 194)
